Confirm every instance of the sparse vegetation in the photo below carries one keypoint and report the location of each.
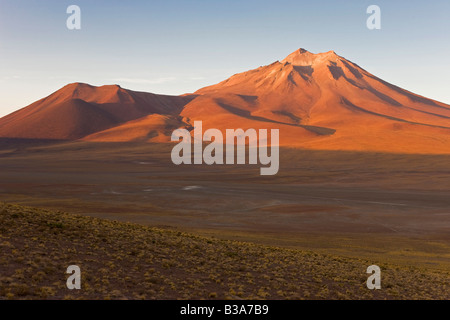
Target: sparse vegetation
(129, 261)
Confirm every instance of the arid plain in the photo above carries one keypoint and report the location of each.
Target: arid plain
(385, 207)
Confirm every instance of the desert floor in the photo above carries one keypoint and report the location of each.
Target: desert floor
(385, 208)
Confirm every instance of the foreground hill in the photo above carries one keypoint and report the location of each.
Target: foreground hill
(128, 261)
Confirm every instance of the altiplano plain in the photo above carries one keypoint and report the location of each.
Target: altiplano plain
(348, 202)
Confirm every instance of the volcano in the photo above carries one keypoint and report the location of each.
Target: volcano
(317, 101)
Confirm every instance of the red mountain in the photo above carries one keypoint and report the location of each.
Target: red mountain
(323, 101)
(318, 101)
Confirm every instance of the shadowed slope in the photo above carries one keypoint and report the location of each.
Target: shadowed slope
(67, 120)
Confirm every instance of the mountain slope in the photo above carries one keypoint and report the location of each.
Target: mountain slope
(154, 128)
(128, 261)
(68, 120)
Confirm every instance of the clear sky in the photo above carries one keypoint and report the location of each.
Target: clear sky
(175, 47)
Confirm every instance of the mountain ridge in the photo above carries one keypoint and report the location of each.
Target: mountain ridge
(317, 101)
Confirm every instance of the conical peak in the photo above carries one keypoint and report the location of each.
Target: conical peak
(303, 57)
(300, 53)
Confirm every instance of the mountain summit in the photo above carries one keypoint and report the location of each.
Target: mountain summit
(317, 101)
(302, 57)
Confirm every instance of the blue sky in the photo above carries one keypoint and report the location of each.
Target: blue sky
(175, 47)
